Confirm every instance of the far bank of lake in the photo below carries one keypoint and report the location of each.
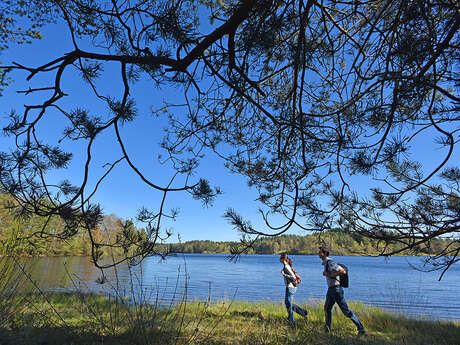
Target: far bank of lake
(388, 283)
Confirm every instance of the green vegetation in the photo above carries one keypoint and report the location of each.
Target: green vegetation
(22, 234)
(92, 319)
(342, 243)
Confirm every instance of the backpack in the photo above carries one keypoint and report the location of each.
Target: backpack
(343, 278)
(297, 280)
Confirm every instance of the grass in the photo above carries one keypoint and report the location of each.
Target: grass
(71, 319)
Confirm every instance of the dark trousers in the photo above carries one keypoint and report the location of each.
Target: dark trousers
(335, 295)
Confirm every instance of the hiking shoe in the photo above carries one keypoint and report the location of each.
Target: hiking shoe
(362, 334)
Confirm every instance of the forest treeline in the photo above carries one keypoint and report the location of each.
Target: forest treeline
(340, 242)
(21, 235)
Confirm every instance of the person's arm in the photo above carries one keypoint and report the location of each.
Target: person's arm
(334, 273)
(334, 270)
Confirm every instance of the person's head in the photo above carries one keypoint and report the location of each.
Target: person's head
(290, 262)
(323, 252)
(284, 258)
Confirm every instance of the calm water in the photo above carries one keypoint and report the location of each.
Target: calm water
(391, 284)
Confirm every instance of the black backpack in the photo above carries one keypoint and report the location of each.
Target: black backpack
(343, 278)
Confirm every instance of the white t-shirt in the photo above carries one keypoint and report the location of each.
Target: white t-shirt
(331, 266)
(289, 276)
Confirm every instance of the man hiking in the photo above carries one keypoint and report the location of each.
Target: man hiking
(332, 271)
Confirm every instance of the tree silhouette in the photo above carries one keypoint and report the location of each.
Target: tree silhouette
(306, 99)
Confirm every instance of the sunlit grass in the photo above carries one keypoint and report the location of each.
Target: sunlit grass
(92, 319)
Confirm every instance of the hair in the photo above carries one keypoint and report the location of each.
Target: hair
(325, 250)
(284, 256)
(290, 262)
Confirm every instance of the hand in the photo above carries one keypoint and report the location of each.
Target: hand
(325, 274)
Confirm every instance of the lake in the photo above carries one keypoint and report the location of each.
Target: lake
(388, 283)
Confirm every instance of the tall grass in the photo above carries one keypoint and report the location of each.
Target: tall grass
(13, 288)
(223, 322)
(129, 311)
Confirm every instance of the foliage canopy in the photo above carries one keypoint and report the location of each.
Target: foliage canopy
(304, 98)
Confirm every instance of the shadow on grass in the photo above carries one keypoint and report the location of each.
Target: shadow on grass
(250, 314)
(48, 335)
(51, 335)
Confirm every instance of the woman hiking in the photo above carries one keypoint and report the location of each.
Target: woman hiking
(291, 286)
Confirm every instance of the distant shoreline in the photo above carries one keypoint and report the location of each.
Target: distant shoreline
(303, 254)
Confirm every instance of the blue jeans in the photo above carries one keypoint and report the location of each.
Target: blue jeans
(335, 295)
(290, 306)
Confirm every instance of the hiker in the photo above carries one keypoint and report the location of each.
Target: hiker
(291, 286)
(332, 271)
